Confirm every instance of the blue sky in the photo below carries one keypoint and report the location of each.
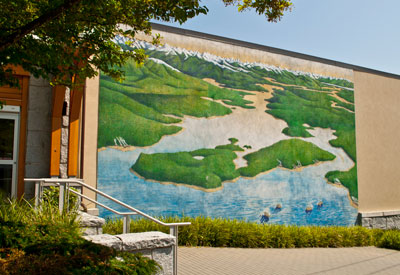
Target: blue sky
(359, 32)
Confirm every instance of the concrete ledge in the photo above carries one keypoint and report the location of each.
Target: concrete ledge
(380, 213)
(154, 245)
(106, 240)
(146, 240)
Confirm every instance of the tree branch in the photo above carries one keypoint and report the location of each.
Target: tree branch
(19, 33)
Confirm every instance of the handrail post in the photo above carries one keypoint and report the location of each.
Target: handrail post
(173, 230)
(61, 197)
(127, 224)
(37, 194)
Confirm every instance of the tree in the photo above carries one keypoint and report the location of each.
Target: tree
(58, 39)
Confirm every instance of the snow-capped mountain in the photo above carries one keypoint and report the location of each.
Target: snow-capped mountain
(231, 64)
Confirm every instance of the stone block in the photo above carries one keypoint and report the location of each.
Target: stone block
(106, 240)
(366, 222)
(165, 258)
(379, 222)
(64, 154)
(87, 220)
(390, 224)
(145, 240)
(65, 121)
(393, 222)
(396, 221)
(64, 136)
(87, 231)
(63, 171)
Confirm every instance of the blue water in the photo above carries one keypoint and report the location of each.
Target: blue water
(243, 199)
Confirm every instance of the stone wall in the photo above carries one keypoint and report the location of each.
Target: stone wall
(64, 137)
(381, 220)
(37, 160)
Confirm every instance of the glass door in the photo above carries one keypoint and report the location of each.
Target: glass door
(9, 125)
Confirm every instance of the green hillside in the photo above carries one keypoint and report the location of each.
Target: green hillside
(289, 153)
(298, 107)
(137, 108)
(209, 171)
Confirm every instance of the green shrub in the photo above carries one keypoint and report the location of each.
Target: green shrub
(205, 231)
(51, 196)
(45, 241)
(389, 239)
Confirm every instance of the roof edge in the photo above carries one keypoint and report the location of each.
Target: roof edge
(196, 34)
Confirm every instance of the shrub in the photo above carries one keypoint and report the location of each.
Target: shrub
(389, 239)
(46, 241)
(206, 231)
(51, 196)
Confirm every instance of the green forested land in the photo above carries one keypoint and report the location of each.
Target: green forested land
(216, 166)
(298, 107)
(347, 94)
(232, 146)
(116, 121)
(348, 106)
(113, 97)
(287, 153)
(153, 78)
(136, 109)
(345, 178)
(179, 105)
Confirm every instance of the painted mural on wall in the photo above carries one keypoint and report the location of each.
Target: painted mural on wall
(192, 133)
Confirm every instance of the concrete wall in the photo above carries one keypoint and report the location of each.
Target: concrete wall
(37, 161)
(377, 101)
(39, 133)
(89, 137)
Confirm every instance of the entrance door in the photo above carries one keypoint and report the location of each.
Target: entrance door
(9, 126)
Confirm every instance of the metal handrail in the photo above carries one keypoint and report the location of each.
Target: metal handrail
(64, 184)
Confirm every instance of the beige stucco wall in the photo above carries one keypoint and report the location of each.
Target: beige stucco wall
(89, 161)
(377, 102)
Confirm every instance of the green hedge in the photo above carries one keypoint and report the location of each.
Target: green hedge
(206, 231)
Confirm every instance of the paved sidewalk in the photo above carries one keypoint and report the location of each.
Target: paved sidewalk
(221, 261)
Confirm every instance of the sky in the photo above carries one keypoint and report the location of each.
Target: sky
(358, 32)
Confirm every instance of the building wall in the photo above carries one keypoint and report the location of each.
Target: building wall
(89, 137)
(179, 104)
(377, 132)
(37, 160)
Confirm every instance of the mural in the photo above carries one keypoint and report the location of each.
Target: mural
(192, 133)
